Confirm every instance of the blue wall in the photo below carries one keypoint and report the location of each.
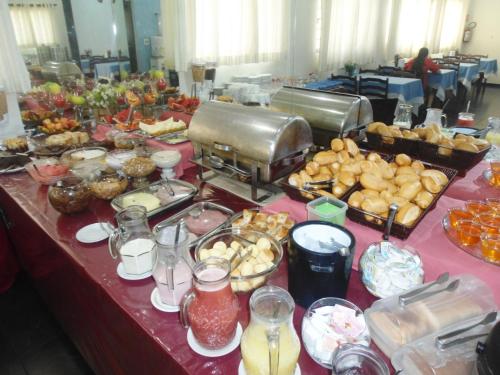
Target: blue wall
(145, 26)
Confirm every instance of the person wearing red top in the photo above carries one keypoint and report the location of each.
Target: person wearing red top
(422, 64)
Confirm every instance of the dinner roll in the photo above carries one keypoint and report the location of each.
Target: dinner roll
(409, 190)
(336, 144)
(312, 168)
(375, 205)
(351, 147)
(407, 214)
(356, 199)
(371, 181)
(402, 160)
(423, 199)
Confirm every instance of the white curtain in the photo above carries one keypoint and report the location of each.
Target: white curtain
(352, 31)
(435, 24)
(38, 22)
(228, 32)
(13, 73)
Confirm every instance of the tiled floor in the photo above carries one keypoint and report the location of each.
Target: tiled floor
(31, 341)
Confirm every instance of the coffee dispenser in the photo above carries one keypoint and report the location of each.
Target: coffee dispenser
(320, 260)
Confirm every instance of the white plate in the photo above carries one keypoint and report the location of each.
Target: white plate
(159, 305)
(242, 371)
(120, 270)
(94, 232)
(193, 344)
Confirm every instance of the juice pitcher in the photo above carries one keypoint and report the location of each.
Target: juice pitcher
(172, 271)
(211, 308)
(132, 241)
(270, 344)
(403, 116)
(434, 116)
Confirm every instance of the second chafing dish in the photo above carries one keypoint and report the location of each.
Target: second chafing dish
(254, 142)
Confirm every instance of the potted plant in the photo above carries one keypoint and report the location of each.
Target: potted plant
(349, 68)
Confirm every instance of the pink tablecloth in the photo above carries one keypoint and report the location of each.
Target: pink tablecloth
(438, 253)
(473, 185)
(186, 148)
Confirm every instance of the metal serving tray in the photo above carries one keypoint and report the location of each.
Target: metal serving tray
(116, 203)
(202, 206)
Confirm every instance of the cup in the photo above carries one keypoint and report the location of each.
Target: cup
(477, 207)
(468, 232)
(457, 213)
(466, 119)
(490, 223)
(495, 172)
(357, 359)
(494, 203)
(490, 246)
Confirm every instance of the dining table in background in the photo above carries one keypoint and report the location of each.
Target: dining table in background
(467, 73)
(488, 66)
(442, 81)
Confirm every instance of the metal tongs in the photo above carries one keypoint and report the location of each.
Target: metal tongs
(417, 295)
(166, 184)
(443, 343)
(315, 185)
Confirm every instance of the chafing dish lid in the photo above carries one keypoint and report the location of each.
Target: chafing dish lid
(255, 133)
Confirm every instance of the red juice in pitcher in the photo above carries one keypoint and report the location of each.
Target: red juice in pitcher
(212, 307)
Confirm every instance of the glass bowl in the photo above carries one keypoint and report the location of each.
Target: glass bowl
(69, 195)
(329, 323)
(250, 270)
(83, 154)
(46, 171)
(108, 185)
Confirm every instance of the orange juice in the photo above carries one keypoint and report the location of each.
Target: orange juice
(490, 246)
(489, 223)
(495, 173)
(456, 214)
(468, 232)
(477, 207)
(494, 203)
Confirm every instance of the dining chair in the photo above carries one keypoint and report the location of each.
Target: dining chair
(349, 84)
(373, 87)
(403, 74)
(368, 71)
(388, 70)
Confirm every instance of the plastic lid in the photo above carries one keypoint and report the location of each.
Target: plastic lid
(393, 325)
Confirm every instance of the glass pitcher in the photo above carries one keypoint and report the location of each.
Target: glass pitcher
(172, 271)
(133, 241)
(211, 308)
(358, 359)
(434, 116)
(403, 116)
(270, 344)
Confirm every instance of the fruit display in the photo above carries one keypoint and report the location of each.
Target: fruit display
(431, 134)
(405, 182)
(162, 127)
(132, 98)
(46, 171)
(58, 125)
(18, 144)
(183, 104)
(36, 115)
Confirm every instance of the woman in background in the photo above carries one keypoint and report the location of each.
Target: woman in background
(421, 65)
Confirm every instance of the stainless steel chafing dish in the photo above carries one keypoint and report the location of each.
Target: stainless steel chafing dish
(330, 114)
(60, 71)
(253, 143)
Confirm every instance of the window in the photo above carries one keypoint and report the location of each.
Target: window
(34, 24)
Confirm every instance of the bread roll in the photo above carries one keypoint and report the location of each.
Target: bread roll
(347, 178)
(370, 193)
(371, 181)
(373, 127)
(432, 136)
(465, 146)
(373, 156)
(446, 147)
(336, 144)
(461, 136)
(351, 147)
(393, 166)
(478, 142)
(418, 166)
(407, 214)
(295, 180)
(405, 170)
(334, 167)
(424, 199)
(438, 176)
(391, 188)
(359, 157)
(343, 156)
(312, 168)
(305, 177)
(339, 189)
(386, 196)
(405, 178)
(353, 167)
(400, 201)
(325, 193)
(386, 171)
(356, 199)
(325, 157)
(421, 132)
(386, 134)
(325, 170)
(395, 131)
(307, 195)
(431, 185)
(375, 205)
(409, 134)
(402, 160)
(410, 190)
(321, 177)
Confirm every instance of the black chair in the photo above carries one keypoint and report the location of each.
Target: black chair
(388, 70)
(373, 87)
(403, 74)
(368, 71)
(349, 84)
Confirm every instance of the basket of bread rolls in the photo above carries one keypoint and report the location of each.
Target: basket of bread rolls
(333, 173)
(429, 144)
(391, 139)
(413, 185)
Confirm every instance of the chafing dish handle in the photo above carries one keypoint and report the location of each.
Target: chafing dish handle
(294, 159)
(222, 147)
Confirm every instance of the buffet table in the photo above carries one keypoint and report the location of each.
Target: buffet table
(112, 321)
